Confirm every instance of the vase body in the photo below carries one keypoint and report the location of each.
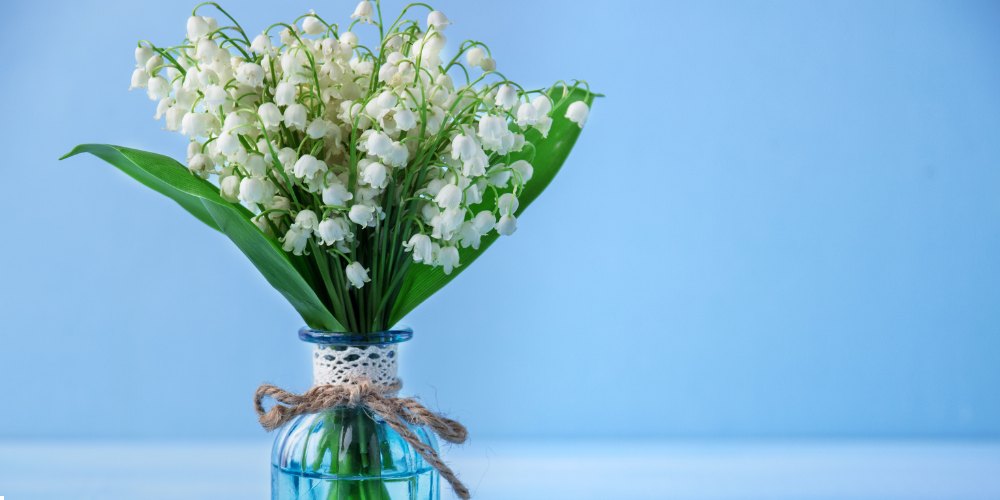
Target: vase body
(346, 453)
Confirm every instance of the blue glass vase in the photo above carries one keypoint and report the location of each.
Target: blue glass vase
(346, 452)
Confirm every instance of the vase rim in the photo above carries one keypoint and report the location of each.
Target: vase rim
(393, 336)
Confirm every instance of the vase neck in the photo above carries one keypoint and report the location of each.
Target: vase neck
(340, 364)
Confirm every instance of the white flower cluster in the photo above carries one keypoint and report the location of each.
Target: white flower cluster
(335, 146)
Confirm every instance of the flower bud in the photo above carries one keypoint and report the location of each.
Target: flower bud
(577, 113)
(437, 20)
(475, 56)
(312, 26)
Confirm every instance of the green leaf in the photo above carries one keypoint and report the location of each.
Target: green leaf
(202, 199)
(550, 153)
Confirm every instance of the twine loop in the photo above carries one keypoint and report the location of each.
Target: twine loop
(380, 400)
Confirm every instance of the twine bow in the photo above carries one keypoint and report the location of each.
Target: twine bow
(396, 412)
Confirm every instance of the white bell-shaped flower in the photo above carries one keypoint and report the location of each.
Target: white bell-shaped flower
(215, 96)
(495, 135)
(296, 116)
(362, 215)
(197, 124)
(348, 39)
(363, 12)
(523, 169)
(256, 165)
(261, 44)
(307, 219)
(450, 196)
(197, 28)
(307, 166)
(143, 54)
(270, 115)
(484, 222)
(288, 157)
(331, 231)
(296, 239)
(229, 188)
(336, 195)
(157, 88)
(437, 20)
(199, 163)
(375, 175)
(468, 236)
(507, 204)
(284, 94)
(250, 74)
(507, 225)
(475, 56)
(254, 190)
(447, 258)
(139, 79)
(318, 128)
(506, 96)
(356, 273)
(228, 144)
(421, 247)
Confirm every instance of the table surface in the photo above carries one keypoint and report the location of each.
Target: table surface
(527, 470)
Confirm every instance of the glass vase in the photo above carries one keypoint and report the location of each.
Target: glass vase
(346, 452)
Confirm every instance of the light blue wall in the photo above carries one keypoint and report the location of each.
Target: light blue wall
(783, 220)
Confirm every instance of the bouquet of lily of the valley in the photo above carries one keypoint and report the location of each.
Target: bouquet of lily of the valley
(358, 179)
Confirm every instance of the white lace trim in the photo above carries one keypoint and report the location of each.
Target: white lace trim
(344, 365)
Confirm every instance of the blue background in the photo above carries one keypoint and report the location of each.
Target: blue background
(782, 221)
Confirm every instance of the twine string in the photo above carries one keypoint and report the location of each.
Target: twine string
(396, 411)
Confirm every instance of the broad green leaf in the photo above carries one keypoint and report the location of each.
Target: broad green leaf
(422, 281)
(202, 199)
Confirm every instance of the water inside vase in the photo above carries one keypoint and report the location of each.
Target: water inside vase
(295, 485)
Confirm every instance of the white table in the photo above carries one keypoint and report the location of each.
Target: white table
(527, 470)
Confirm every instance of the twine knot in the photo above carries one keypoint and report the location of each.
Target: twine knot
(378, 399)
